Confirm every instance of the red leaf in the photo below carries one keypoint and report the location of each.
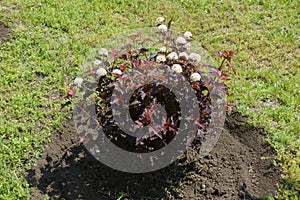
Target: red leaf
(231, 67)
(139, 123)
(71, 93)
(147, 115)
(81, 139)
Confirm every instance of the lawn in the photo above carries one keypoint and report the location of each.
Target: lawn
(49, 41)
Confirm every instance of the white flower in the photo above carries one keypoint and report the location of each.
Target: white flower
(181, 41)
(194, 57)
(195, 77)
(183, 55)
(78, 81)
(163, 49)
(163, 28)
(187, 46)
(172, 56)
(97, 62)
(117, 72)
(177, 68)
(103, 52)
(101, 72)
(160, 58)
(160, 20)
(188, 35)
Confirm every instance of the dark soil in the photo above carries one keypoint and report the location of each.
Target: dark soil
(4, 32)
(233, 170)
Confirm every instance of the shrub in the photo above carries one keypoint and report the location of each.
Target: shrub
(175, 57)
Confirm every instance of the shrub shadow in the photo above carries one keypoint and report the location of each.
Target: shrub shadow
(68, 171)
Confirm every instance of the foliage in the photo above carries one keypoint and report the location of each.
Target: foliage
(174, 55)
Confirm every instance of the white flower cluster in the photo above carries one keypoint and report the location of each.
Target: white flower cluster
(163, 28)
(177, 68)
(194, 57)
(163, 49)
(97, 62)
(160, 58)
(117, 72)
(181, 41)
(103, 52)
(101, 72)
(172, 56)
(78, 81)
(183, 55)
(188, 35)
(195, 77)
(187, 46)
(160, 20)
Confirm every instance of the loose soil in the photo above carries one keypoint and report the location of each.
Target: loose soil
(4, 31)
(239, 167)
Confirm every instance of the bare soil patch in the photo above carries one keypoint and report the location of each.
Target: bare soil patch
(239, 167)
(4, 31)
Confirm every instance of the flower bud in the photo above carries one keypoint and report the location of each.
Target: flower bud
(103, 52)
(160, 58)
(172, 56)
(195, 77)
(177, 68)
(101, 72)
(188, 35)
(160, 20)
(194, 57)
(78, 81)
(97, 62)
(180, 41)
(163, 28)
(117, 72)
(183, 55)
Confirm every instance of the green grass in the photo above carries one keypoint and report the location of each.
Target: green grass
(51, 39)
